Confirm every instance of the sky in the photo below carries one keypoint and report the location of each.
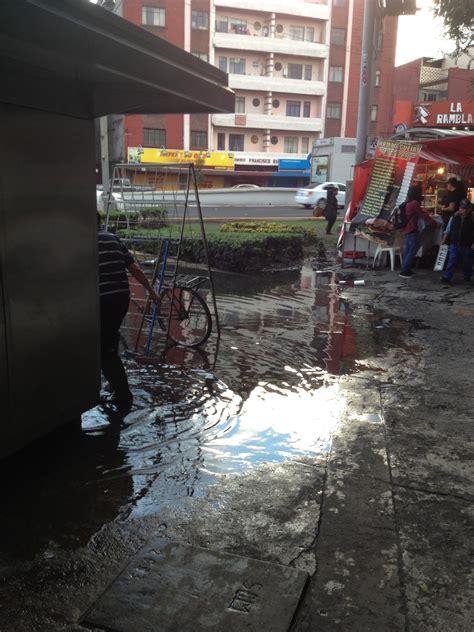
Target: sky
(420, 35)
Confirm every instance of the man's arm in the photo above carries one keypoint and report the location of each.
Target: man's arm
(139, 275)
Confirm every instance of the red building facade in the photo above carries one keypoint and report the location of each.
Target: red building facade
(433, 93)
(344, 71)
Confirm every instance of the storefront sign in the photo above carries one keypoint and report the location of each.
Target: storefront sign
(209, 159)
(444, 114)
(292, 164)
(256, 158)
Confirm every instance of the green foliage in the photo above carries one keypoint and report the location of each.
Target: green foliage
(458, 21)
(278, 228)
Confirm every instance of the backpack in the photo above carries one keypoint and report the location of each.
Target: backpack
(401, 219)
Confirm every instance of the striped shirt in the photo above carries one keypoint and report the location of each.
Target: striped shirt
(114, 259)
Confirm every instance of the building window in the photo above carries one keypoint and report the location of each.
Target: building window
(240, 105)
(236, 66)
(154, 137)
(377, 78)
(308, 72)
(238, 26)
(153, 16)
(373, 112)
(339, 3)
(295, 71)
(338, 36)
(221, 141)
(291, 145)
(223, 64)
(296, 33)
(198, 140)
(426, 95)
(203, 56)
(309, 34)
(222, 25)
(307, 109)
(293, 108)
(200, 20)
(236, 142)
(348, 149)
(336, 73)
(304, 145)
(333, 111)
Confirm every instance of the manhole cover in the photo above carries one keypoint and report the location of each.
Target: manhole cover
(170, 586)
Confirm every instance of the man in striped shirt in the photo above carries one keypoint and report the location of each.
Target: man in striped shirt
(114, 290)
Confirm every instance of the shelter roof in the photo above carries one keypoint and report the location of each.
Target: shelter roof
(74, 57)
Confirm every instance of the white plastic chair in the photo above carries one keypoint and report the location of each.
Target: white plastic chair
(393, 250)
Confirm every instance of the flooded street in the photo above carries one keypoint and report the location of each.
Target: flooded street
(265, 394)
(316, 434)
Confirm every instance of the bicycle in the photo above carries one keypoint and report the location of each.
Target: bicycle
(181, 312)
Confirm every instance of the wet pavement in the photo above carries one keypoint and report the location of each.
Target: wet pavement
(329, 430)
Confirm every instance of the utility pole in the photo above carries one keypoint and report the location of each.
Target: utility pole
(367, 59)
(104, 132)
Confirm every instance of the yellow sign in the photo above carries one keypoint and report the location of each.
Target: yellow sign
(212, 159)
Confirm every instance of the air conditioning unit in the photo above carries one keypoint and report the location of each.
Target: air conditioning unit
(285, 72)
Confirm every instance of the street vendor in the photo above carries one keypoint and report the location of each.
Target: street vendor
(457, 191)
(413, 213)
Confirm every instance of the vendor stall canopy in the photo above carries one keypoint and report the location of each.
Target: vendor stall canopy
(74, 57)
(457, 150)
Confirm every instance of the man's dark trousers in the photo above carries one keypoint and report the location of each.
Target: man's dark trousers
(113, 308)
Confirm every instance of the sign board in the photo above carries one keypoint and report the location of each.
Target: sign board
(292, 164)
(391, 175)
(441, 258)
(444, 114)
(319, 169)
(210, 159)
(256, 158)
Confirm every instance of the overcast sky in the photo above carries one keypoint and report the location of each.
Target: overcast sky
(420, 35)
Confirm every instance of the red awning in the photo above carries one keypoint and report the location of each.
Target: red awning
(454, 151)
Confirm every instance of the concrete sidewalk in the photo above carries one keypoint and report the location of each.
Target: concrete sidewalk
(382, 524)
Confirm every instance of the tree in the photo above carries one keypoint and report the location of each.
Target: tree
(458, 17)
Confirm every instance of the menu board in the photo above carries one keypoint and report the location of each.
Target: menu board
(391, 175)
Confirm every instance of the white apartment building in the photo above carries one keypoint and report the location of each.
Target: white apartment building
(275, 52)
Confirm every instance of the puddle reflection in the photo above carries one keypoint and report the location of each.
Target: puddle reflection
(268, 392)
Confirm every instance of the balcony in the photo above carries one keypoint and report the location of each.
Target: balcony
(280, 7)
(264, 121)
(282, 46)
(276, 84)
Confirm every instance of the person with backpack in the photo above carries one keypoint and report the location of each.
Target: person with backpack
(410, 214)
(460, 237)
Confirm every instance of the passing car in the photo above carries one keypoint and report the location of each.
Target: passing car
(246, 186)
(315, 194)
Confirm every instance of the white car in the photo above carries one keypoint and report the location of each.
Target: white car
(246, 186)
(315, 194)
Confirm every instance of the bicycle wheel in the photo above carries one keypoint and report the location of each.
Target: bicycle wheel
(190, 324)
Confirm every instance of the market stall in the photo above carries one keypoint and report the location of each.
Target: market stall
(381, 185)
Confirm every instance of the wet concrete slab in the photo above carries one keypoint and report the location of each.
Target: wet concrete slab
(436, 537)
(171, 586)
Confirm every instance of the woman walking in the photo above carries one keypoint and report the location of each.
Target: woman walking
(330, 210)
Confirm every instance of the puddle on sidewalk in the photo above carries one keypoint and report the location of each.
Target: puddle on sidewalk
(267, 393)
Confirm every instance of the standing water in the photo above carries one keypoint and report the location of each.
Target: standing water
(268, 392)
